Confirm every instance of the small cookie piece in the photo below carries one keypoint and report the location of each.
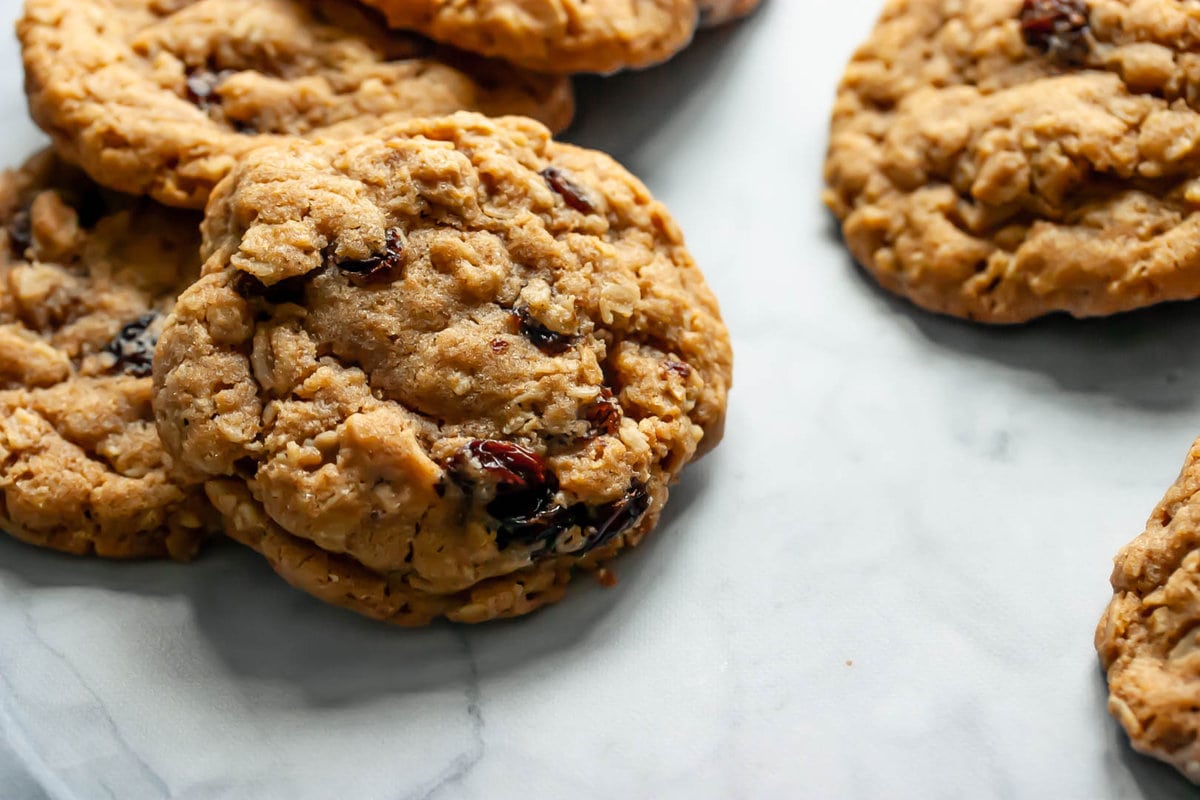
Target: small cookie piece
(162, 98)
(1003, 159)
(429, 372)
(1149, 639)
(719, 12)
(555, 36)
(85, 281)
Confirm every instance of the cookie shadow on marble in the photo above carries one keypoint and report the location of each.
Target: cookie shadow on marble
(263, 630)
(618, 114)
(1144, 359)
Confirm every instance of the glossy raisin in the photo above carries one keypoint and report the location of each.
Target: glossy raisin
(133, 346)
(386, 266)
(612, 519)
(523, 506)
(679, 368)
(572, 193)
(509, 463)
(549, 342)
(202, 87)
(605, 414)
(1057, 28)
(529, 518)
(20, 233)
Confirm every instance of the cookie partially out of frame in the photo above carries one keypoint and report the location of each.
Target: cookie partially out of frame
(85, 279)
(1004, 159)
(433, 371)
(1149, 638)
(721, 12)
(558, 36)
(161, 97)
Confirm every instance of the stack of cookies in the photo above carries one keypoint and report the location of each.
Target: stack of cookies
(1000, 160)
(334, 290)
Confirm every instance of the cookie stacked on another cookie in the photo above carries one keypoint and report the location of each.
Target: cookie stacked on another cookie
(433, 364)
(565, 36)
(432, 371)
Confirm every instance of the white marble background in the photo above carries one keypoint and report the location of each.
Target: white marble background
(884, 584)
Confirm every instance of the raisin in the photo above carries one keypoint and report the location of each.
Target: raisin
(549, 342)
(1057, 28)
(376, 269)
(530, 518)
(133, 346)
(612, 519)
(605, 414)
(509, 463)
(498, 346)
(90, 205)
(571, 193)
(524, 508)
(20, 233)
(679, 368)
(202, 87)
(288, 290)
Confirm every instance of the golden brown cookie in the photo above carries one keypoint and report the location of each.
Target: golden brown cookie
(555, 36)
(161, 97)
(85, 278)
(1149, 639)
(431, 371)
(1000, 159)
(720, 12)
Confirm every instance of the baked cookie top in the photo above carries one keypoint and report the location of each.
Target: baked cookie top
(555, 36)
(85, 278)
(162, 97)
(1003, 159)
(445, 351)
(1149, 639)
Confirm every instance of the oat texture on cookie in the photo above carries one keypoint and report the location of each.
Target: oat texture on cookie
(556, 36)
(1003, 159)
(86, 278)
(161, 97)
(432, 371)
(1149, 638)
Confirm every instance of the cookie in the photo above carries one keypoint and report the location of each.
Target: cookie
(1149, 639)
(999, 160)
(85, 279)
(162, 97)
(720, 12)
(432, 372)
(555, 36)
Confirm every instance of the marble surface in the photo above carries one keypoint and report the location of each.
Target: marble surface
(884, 583)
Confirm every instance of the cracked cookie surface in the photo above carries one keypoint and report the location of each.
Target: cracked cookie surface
(85, 279)
(1000, 160)
(161, 97)
(556, 36)
(432, 371)
(1149, 638)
